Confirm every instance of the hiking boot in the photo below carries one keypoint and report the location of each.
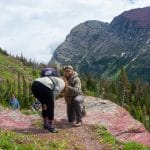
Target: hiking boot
(48, 125)
(51, 129)
(72, 123)
(78, 124)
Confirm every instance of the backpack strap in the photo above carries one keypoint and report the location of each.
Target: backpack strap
(54, 92)
(53, 83)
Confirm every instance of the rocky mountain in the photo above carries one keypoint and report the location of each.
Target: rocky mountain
(102, 48)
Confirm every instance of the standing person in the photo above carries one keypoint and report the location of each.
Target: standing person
(14, 103)
(74, 96)
(45, 89)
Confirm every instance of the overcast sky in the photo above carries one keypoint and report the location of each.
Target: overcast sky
(36, 27)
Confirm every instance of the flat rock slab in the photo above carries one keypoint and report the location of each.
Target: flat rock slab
(14, 119)
(115, 118)
(104, 112)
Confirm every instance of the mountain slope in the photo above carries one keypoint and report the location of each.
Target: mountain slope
(16, 75)
(10, 66)
(101, 48)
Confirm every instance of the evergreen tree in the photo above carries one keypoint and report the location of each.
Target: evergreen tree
(124, 88)
(25, 93)
(31, 98)
(19, 86)
(139, 92)
(91, 83)
(8, 92)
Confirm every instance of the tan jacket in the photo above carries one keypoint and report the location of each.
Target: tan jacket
(74, 88)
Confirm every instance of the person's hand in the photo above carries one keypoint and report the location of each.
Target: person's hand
(66, 84)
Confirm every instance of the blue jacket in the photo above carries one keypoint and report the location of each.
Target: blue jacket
(14, 103)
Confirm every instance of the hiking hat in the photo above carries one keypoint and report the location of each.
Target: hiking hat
(68, 67)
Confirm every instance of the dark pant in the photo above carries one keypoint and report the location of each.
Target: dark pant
(74, 109)
(45, 96)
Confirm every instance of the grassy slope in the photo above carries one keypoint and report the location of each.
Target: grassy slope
(10, 66)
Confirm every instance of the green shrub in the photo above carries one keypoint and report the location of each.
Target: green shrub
(133, 146)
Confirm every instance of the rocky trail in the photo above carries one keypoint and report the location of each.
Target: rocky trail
(100, 112)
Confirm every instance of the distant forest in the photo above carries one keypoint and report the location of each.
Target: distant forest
(132, 95)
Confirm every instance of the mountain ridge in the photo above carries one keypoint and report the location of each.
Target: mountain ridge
(101, 49)
(139, 15)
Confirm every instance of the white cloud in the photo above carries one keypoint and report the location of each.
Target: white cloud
(36, 27)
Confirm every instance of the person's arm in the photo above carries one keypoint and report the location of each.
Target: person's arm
(66, 85)
(76, 88)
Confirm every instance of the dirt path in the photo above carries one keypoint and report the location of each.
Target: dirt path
(87, 138)
(82, 137)
(78, 138)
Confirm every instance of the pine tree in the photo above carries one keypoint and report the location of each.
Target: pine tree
(139, 92)
(2, 92)
(124, 88)
(91, 83)
(31, 98)
(19, 86)
(8, 92)
(25, 93)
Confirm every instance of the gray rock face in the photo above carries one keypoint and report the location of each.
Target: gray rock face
(101, 48)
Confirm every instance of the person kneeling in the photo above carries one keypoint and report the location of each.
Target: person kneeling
(74, 97)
